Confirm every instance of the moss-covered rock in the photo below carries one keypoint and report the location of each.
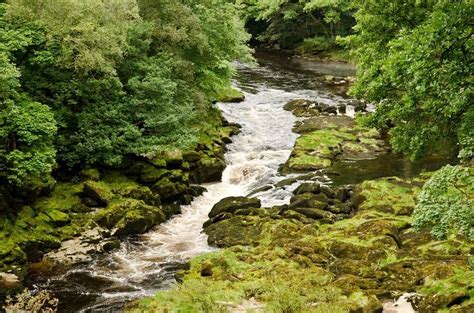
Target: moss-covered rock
(230, 94)
(362, 260)
(232, 204)
(324, 139)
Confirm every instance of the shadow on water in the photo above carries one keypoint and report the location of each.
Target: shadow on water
(353, 172)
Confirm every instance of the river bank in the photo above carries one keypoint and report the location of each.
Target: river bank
(89, 212)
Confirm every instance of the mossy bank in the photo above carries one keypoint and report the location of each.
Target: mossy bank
(90, 210)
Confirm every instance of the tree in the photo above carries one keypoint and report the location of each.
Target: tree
(415, 61)
(308, 24)
(445, 203)
(27, 128)
(122, 78)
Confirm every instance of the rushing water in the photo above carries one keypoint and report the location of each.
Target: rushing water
(147, 263)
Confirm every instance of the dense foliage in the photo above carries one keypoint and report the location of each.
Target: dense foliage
(94, 81)
(309, 26)
(445, 205)
(415, 60)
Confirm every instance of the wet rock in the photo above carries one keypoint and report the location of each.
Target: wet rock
(208, 170)
(286, 182)
(342, 108)
(109, 245)
(196, 190)
(329, 109)
(170, 209)
(232, 204)
(226, 140)
(297, 104)
(261, 189)
(360, 107)
(307, 188)
(342, 194)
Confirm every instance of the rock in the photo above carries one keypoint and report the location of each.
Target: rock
(97, 192)
(151, 174)
(342, 109)
(261, 189)
(346, 250)
(329, 109)
(9, 281)
(173, 158)
(208, 170)
(109, 245)
(307, 188)
(342, 194)
(138, 220)
(167, 189)
(329, 78)
(360, 107)
(196, 190)
(171, 209)
(297, 104)
(237, 230)
(286, 182)
(58, 218)
(89, 202)
(77, 250)
(191, 156)
(308, 200)
(328, 191)
(315, 213)
(232, 204)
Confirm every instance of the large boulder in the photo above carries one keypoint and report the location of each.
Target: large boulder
(232, 204)
(129, 216)
(208, 170)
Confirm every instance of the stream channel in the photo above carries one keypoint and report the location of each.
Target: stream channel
(147, 263)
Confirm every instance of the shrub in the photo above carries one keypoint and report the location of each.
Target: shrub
(446, 202)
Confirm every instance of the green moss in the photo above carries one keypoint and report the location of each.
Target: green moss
(442, 292)
(319, 148)
(390, 195)
(230, 94)
(64, 198)
(302, 162)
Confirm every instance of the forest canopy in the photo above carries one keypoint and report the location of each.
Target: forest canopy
(94, 81)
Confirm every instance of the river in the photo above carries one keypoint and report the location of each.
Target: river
(147, 263)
